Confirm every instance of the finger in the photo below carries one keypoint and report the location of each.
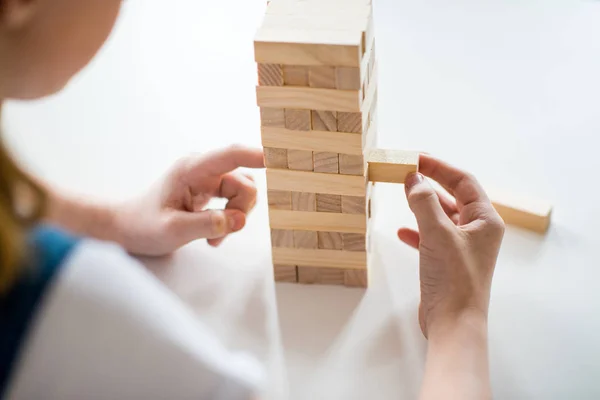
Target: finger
(448, 205)
(208, 224)
(239, 191)
(424, 203)
(222, 161)
(410, 237)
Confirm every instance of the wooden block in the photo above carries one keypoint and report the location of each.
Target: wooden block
(348, 78)
(326, 162)
(354, 241)
(270, 75)
(276, 158)
(306, 240)
(320, 258)
(295, 75)
(282, 238)
(324, 120)
(524, 213)
(300, 160)
(302, 201)
(317, 221)
(352, 164)
(351, 122)
(330, 240)
(308, 47)
(354, 205)
(336, 142)
(285, 273)
(308, 98)
(323, 276)
(274, 117)
(331, 203)
(297, 120)
(279, 200)
(315, 182)
(321, 77)
(391, 165)
(356, 278)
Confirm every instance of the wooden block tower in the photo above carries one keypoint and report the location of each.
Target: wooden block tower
(317, 93)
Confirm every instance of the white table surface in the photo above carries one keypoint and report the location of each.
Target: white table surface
(507, 90)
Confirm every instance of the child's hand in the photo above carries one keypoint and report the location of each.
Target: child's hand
(458, 243)
(173, 212)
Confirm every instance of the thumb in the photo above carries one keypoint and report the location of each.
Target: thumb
(207, 224)
(424, 203)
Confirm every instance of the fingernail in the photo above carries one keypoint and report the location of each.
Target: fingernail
(236, 222)
(413, 179)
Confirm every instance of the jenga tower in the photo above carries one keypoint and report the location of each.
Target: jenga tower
(317, 95)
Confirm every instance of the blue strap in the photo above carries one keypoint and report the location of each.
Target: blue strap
(48, 247)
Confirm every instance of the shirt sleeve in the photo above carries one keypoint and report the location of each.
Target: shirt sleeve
(108, 328)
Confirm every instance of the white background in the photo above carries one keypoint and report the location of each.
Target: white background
(509, 90)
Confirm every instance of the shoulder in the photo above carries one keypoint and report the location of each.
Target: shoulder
(109, 326)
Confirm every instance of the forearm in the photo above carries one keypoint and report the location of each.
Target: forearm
(81, 216)
(457, 360)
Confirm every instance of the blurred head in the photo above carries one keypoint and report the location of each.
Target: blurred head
(43, 43)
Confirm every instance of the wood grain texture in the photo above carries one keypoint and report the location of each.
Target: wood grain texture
(354, 241)
(308, 98)
(275, 158)
(317, 221)
(356, 278)
(295, 75)
(270, 75)
(354, 205)
(321, 77)
(297, 120)
(348, 78)
(330, 240)
(300, 160)
(391, 165)
(279, 200)
(285, 273)
(320, 258)
(322, 276)
(314, 182)
(331, 203)
(308, 47)
(352, 164)
(351, 122)
(302, 201)
(272, 117)
(282, 238)
(326, 162)
(336, 142)
(306, 240)
(532, 215)
(324, 120)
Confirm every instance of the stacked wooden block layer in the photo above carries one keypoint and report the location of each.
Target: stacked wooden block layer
(317, 93)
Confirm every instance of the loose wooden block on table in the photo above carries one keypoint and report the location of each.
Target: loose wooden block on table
(324, 120)
(324, 276)
(300, 160)
(391, 165)
(527, 214)
(331, 203)
(320, 258)
(279, 199)
(270, 75)
(315, 182)
(335, 142)
(272, 117)
(285, 273)
(276, 158)
(309, 98)
(317, 221)
(295, 75)
(326, 162)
